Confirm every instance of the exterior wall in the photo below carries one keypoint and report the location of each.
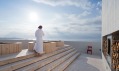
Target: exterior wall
(110, 21)
(107, 68)
(110, 16)
(81, 46)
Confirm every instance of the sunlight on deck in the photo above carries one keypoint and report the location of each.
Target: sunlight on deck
(87, 63)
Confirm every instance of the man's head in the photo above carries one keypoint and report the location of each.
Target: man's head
(40, 27)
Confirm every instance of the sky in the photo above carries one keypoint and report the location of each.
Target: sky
(73, 20)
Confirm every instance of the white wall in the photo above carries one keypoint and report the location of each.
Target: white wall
(107, 68)
(110, 16)
(110, 21)
(81, 46)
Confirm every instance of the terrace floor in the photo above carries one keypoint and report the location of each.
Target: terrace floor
(87, 62)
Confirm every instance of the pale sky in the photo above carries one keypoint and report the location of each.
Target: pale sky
(78, 20)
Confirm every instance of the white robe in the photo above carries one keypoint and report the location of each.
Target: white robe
(39, 41)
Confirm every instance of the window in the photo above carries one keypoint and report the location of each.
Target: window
(109, 46)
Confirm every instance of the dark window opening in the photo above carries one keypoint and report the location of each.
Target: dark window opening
(109, 46)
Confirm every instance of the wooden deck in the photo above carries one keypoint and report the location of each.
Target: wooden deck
(86, 62)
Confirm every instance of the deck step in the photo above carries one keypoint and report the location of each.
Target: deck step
(7, 59)
(65, 64)
(22, 63)
(56, 62)
(43, 62)
(24, 54)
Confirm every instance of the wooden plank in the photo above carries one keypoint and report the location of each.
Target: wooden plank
(26, 62)
(52, 65)
(53, 46)
(31, 46)
(11, 48)
(7, 48)
(3, 49)
(44, 47)
(65, 64)
(14, 49)
(59, 43)
(25, 54)
(20, 46)
(47, 47)
(0, 49)
(45, 61)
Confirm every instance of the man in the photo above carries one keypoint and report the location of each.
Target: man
(39, 41)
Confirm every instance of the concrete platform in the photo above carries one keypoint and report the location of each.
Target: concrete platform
(86, 62)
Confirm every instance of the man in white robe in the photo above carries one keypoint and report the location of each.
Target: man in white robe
(39, 40)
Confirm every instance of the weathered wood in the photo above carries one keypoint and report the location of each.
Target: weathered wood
(47, 48)
(24, 54)
(59, 43)
(31, 46)
(20, 46)
(8, 48)
(6, 59)
(53, 46)
(11, 48)
(0, 49)
(115, 55)
(52, 65)
(65, 64)
(3, 49)
(43, 62)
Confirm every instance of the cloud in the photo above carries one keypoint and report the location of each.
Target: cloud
(57, 23)
(99, 6)
(16, 34)
(73, 26)
(61, 26)
(84, 4)
(85, 13)
(81, 36)
(99, 3)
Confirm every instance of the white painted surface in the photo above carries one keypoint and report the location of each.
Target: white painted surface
(81, 46)
(106, 66)
(110, 16)
(110, 21)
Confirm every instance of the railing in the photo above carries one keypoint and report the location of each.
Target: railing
(48, 46)
(9, 48)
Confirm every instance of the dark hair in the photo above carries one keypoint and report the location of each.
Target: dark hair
(40, 27)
